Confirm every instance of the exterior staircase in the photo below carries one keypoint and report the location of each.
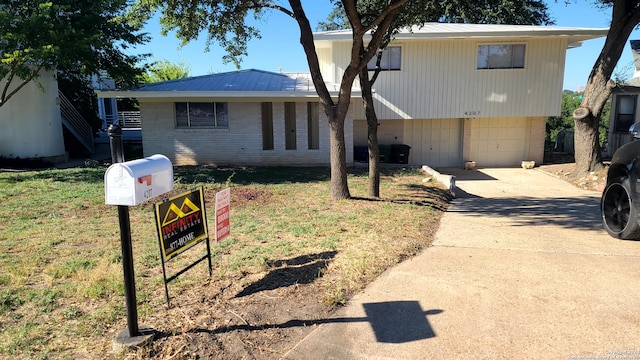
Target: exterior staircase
(76, 129)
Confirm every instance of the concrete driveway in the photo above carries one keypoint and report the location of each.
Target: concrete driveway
(520, 269)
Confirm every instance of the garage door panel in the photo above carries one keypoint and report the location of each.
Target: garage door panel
(502, 143)
(438, 143)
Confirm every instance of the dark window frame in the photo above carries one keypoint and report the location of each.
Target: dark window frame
(387, 63)
(517, 56)
(191, 114)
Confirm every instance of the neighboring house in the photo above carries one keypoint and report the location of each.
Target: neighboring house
(31, 122)
(248, 117)
(36, 121)
(452, 92)
(624, 105)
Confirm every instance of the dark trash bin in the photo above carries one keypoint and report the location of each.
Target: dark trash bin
(360, 153)
(385, 153)
(400, 153)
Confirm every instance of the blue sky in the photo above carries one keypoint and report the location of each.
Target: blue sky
(279, 47)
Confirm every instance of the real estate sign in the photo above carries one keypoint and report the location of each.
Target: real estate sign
(181, 222)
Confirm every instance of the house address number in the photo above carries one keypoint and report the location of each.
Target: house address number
(472, 113)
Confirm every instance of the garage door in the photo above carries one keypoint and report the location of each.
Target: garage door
(498, 141)
(434, 142)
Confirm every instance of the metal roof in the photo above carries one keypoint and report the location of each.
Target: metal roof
(450, 31)
(242, 83)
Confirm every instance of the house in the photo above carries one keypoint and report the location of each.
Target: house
(31, 123)
(38, 122)
(451, 92)
(624, 105)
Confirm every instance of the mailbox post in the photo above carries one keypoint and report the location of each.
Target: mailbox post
(117, 156)
(126, 184)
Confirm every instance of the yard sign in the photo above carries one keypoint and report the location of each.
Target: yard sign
(223, 202)
(182, 223)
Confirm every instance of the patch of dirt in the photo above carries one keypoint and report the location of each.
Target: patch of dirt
(240, 319)
(594, 181)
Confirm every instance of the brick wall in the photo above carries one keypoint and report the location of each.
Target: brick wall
(241, 143)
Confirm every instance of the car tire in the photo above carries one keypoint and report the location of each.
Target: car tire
(619, 215)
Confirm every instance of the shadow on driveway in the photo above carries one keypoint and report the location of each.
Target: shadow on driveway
(568, 212)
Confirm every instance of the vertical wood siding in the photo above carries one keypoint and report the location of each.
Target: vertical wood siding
(440, 79)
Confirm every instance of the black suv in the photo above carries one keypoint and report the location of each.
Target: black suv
(620, 203)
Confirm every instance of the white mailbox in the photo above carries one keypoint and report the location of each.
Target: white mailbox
(133, 182)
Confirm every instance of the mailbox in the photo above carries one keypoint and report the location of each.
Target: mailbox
(133, 182)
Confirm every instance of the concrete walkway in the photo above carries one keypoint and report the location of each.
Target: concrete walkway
(520, 269)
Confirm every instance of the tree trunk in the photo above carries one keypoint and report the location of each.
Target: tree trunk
(372, 134)
(625, 16)
(586, 142)
(339, 185)
(336, 112)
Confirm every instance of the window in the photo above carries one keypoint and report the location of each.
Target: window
(290, 126)
(313, 125)
(391, 59)
(209, 115)
(509, 56)
(625, 112)
(267, 126)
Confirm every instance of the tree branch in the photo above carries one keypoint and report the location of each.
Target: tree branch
(306, 40)
(276, 7)
(392, 7)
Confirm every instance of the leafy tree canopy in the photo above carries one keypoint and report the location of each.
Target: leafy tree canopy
(513, 12)
(164, 70)
(61, 35)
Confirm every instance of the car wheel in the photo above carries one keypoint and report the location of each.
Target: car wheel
(619, 216)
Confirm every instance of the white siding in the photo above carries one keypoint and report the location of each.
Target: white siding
(440, 79)
(31, 123)
(241, 144)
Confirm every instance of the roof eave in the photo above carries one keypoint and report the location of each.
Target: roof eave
(582, 34)
(216, 94)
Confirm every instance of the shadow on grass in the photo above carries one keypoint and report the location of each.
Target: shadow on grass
(418, 195)
(251, 175)
(74, 175)
(303, 269)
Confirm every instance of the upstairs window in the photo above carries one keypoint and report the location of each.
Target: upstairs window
(510, 56)
(202, 115)
(391, 59)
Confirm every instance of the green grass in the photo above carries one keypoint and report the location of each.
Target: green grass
(60, 258)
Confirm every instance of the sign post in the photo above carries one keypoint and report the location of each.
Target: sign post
(117, 156)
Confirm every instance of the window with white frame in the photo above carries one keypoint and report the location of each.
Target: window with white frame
(501, 56)
(202, 115)
(391, 59)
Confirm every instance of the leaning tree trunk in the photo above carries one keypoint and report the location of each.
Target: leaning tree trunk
(625, 16)
(372, 134)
